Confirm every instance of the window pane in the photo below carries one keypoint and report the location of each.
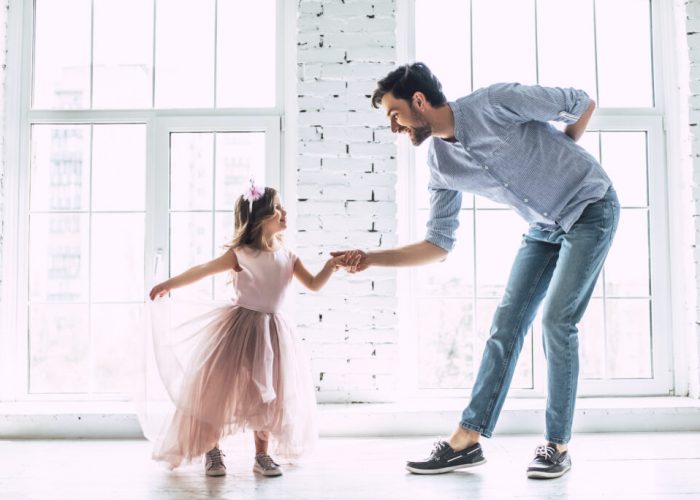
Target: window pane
(455, 276)
(246, 53)
(504, 45)
(60, 167)
(591, 334)
(239, 157)
(624, 57)
(119, 167)
(117, 257)
(191, 244)
(123, 65)
(628, 338)
(627, 265)
(59, 348)
(62, 54)
(191, 171)
(570, 64)
(496, 249)
(452, 67)
(624, 158)
(116, 331)
(445, 335)
(184, 53)
(590, 141)
(58, 257)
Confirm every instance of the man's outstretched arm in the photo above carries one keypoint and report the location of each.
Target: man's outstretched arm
(415, 254)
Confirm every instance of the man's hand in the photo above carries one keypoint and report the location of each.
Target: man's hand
(576, 130)
(353, 260)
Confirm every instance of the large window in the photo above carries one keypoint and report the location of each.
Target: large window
(624, 337)
(142, 121)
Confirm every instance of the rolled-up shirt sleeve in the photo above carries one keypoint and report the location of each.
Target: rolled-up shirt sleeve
(444, 217)
(523, 103)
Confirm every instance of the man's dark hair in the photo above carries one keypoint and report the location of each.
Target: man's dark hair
(408, 79)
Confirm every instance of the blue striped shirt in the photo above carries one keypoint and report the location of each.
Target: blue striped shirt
(508, 152)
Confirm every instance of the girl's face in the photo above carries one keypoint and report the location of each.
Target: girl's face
(277, 222)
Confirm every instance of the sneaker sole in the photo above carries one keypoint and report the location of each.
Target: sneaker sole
(444, 469)
(260, 470)
(216, 473)
(546, 475)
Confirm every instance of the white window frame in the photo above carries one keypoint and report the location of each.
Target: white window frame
(649, 120)
(14, 349)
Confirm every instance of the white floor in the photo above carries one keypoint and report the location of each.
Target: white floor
(615, 466)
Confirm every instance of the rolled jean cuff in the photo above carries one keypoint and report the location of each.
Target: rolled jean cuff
(471, 427)
(557, 440)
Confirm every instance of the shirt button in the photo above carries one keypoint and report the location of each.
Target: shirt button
(545, 214)
(468, 148)
(526, 200)
(505, 185)
(486, 167)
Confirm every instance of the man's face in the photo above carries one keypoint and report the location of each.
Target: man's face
(406, 119)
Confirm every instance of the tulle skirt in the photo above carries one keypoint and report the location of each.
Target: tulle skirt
(228, 370)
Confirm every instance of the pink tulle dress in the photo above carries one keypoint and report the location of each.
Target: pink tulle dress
(236, 367)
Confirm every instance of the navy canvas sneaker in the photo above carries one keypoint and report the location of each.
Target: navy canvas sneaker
(549, 463)
(444, 459)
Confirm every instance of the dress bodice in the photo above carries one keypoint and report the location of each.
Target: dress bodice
(265, 276)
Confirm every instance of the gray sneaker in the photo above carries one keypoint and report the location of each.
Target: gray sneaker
(266, 466)
(214, 463)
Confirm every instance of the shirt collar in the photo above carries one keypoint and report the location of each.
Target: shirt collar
(460, 133)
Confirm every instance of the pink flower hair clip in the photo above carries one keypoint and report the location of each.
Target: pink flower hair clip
(253, 193)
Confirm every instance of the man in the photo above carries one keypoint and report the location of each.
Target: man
(497, 143)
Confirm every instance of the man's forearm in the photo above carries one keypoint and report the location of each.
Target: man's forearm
(576, 130)
(415, 254)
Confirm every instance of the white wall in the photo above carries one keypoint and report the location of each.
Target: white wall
(346, 167)
(4, 6)
(692, 345)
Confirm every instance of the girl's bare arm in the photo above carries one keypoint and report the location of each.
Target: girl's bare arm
(225, 262)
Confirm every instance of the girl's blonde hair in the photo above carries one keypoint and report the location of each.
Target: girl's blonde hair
(249, 219)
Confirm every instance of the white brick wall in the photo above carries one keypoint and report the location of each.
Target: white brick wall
(346, 195)
(4, 6)
(693, 37)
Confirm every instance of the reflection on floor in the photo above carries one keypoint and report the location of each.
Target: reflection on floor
(616, 466)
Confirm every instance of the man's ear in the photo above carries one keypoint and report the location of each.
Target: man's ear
(418, 100)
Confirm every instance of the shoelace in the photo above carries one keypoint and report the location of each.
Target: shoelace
(265, 461)
(544, 451)
(438, 446)
(215, 456)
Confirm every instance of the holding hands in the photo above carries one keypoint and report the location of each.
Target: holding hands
(352, 260)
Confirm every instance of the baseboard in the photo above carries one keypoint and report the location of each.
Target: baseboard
(410, 418)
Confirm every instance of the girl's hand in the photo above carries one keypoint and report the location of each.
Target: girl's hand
(159, 290)
(337, 262)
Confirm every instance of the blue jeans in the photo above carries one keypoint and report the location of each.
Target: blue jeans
(561, 269)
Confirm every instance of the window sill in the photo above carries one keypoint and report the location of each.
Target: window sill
(45, 420)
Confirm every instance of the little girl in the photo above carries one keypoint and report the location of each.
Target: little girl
(248, 370)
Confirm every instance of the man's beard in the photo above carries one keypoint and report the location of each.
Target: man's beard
(420, 134)
(422, 131)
